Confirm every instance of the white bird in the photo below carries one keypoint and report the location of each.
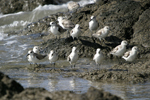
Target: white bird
(73, 6)
(34, 57)
(53, 57)
(76, 31)
(36, 49)
(98, 57)
(65, 23)
(131, 55)
(73, 57)
(93, 24)
(102, 33)
(55, 29)
(120, 49)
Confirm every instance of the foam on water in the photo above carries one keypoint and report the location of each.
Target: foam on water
(2, 35)
(50, 7)
(5, 15)
(85, 2)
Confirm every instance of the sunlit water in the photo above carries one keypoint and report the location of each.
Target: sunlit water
(13, 50)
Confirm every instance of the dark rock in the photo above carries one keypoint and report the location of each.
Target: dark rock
(142, 29)
(8, 87)
(42, 94)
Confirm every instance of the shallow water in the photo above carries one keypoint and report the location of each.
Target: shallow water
(13, 50)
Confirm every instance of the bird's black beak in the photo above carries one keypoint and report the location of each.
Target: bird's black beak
(27, 55)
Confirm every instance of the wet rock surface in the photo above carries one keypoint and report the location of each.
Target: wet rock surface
(11, 90)
(125, 19)
(128, 20)
(130, 73)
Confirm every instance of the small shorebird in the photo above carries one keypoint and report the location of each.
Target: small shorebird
(73, 6)
(73, 57)
(34, 57)
(76, 31)
(55, 29)
(102, 33)
(53, 57)
(93, 24)
(65, 24)
(36, 49)
(98, 57)
(131, 55)
(120, 49)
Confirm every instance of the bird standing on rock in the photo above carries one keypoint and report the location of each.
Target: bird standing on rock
(73, 57)
(102, 33)
(76, 31)
(93, 24)
(131, 55)
(53, 57)
(120, 49)
(73, 6)
(98, 57)
(55, 29)
(34, 57)
(65, 24)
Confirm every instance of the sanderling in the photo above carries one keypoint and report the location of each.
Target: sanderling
(76, 31)
(120, 49)
(36, 49)
(131, 55)
(73, 57)
(98, 57)
(93, 24)
(73, 6)
(56, 29)
(102, 33)
(34, 57)
(53, 57)
(65, 23)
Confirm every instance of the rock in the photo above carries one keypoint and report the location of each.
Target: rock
(42, 94)
(33, 94)
(133, 73)
(124, 18)
(9, 87)
(142, 29)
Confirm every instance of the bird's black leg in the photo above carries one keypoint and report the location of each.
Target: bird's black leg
(54, 66)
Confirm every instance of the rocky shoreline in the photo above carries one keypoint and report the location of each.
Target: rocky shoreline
(12, 90)
(128, 20)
